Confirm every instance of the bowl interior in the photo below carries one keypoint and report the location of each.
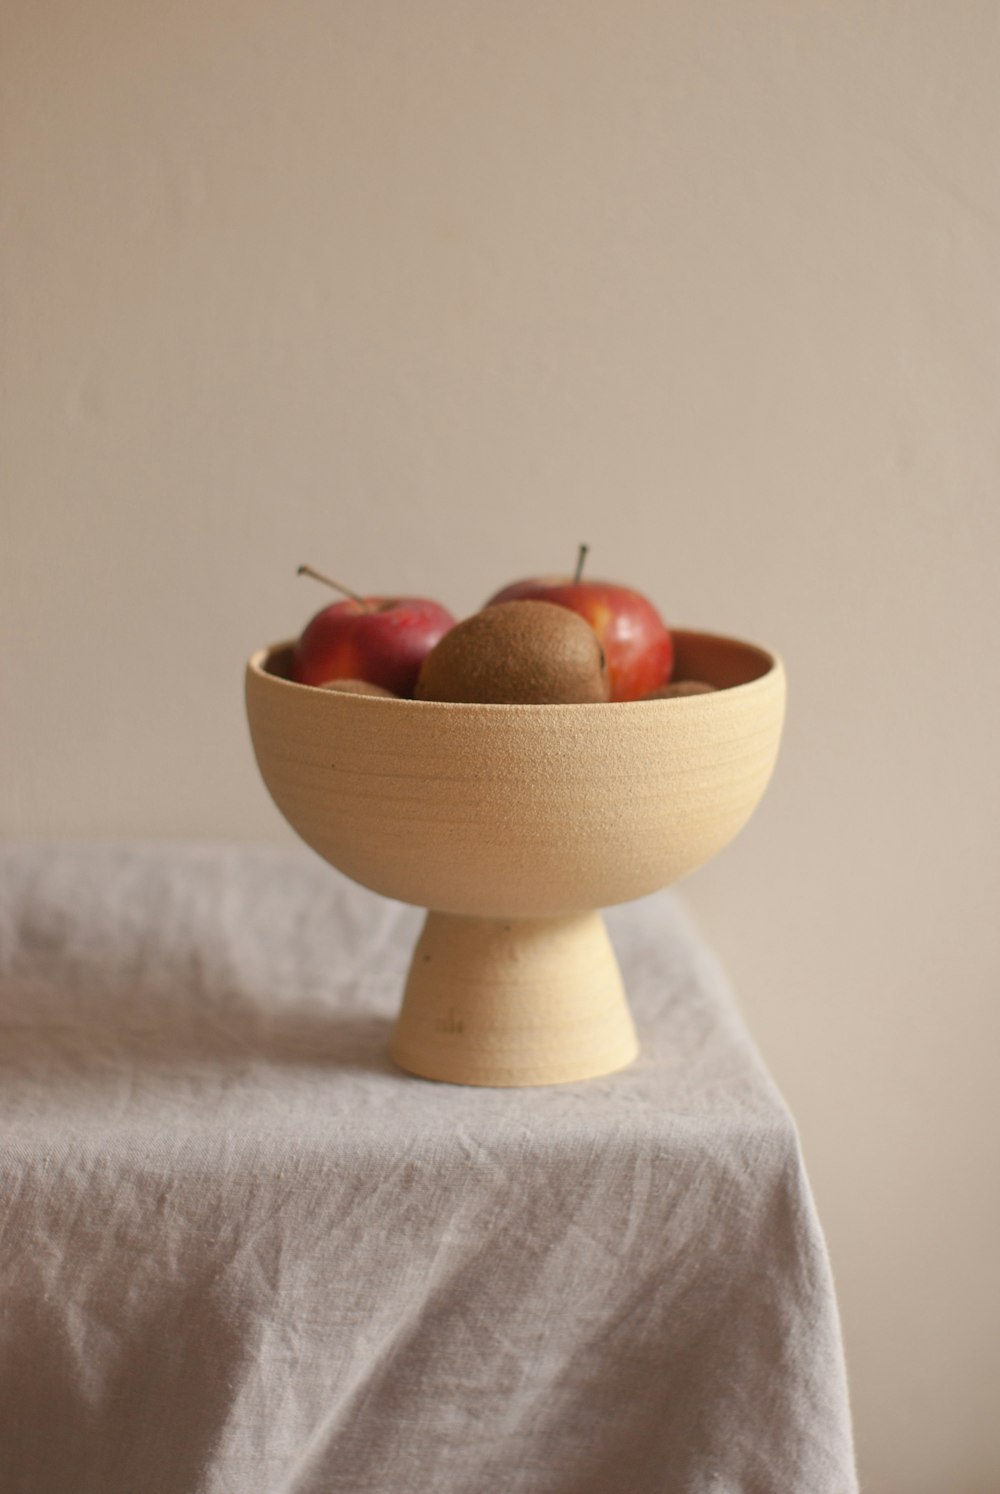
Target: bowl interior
(722, 662)
(521, 811)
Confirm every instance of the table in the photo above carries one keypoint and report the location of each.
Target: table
(242, 1254)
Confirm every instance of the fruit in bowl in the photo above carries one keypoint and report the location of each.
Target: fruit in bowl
(636, 641)
(525, 654)
(379, 640)
(517, 653)
(514, 823)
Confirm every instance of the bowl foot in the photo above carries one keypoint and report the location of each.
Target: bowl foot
(511, 1002)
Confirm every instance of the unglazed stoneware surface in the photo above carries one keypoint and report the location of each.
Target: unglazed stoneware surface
(514, 1001)
(514, 821)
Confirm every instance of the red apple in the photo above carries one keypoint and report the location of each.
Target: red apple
(383, 640)
(637, 644)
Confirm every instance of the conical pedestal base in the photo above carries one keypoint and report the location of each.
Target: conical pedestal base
(509, 1002)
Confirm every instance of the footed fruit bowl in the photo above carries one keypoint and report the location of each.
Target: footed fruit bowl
(514, 825)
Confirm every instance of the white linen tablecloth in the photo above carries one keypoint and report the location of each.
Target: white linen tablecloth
(242, 1254)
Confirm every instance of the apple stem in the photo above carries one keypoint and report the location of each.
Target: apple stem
(307, 570)
(579, 563)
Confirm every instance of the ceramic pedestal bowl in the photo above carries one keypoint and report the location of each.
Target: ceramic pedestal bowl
(513, 825)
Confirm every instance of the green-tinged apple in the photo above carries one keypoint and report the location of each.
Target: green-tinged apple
(382, 640)
(636, 641)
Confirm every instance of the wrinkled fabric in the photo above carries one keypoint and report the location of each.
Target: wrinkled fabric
(243, 1254)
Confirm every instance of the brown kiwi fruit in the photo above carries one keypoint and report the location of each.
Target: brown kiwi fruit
(357, 687)
(680, 687)
(517, 653)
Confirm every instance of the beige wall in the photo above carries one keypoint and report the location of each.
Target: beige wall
(426, 294)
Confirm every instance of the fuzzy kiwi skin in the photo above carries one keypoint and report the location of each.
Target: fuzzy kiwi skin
(517, 653)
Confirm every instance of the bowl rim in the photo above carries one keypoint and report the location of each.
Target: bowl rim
(775, 671)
